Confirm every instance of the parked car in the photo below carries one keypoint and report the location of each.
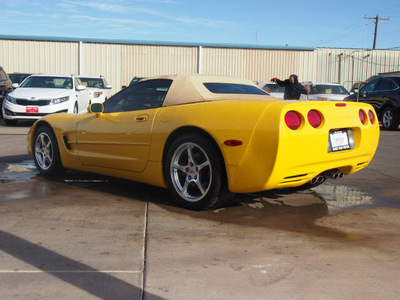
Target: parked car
(133, 81)
(272, 88)
(358, 85)
(17, 78)
(98, 88)
(324, 91)
(40, 95)
(204, 137)
(5, 85)
(383, 93)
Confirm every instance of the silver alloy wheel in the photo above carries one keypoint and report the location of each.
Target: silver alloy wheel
(387, 118)
(44, 152)
(191, 172)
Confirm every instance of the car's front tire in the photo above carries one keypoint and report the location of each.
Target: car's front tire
(46, 153)
(194, 173)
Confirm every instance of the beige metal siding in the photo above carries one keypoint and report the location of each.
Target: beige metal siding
(39, 56)
(149, 60)
(258, 64)
(356, 64)
(254, 64)
(119, 63)
(105, 60)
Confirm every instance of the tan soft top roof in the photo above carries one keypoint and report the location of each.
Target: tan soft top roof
(190, 89)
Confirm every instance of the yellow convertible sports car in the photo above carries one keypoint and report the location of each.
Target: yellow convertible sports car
(204, 137)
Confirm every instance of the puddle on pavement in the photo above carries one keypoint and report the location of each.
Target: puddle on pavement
(339, 197)
(292, 210)
(18, 171)
(287, 209)
(18, 181)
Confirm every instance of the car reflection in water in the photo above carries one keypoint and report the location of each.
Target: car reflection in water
(339, 197)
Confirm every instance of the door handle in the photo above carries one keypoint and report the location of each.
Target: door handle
(141, 118)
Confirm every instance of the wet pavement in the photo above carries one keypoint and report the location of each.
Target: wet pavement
(88, 236)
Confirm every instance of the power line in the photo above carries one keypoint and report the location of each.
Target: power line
(376, 26)
(339, 35)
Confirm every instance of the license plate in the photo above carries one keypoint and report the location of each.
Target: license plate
(32, 110)
(339, 140)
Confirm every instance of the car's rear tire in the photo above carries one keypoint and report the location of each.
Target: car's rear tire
(389, 119)
(194, 173)
(46, 154)
(10, 122)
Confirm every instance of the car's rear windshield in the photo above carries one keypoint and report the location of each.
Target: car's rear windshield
(92, 82)
(328, 89)
(233, 88)
(47, 82)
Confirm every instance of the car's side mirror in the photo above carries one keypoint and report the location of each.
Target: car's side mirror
(15, 85)
(96, 108)
(355, 91)
(80, 87)
(108, 87)
(364, 94)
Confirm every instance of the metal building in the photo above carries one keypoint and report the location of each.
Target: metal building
(120, 60)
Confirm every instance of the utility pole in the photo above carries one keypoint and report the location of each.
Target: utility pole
(376, 25)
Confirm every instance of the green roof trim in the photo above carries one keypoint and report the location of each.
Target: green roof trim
(155, 43)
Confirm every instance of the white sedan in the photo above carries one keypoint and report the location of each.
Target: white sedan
(98, 88)
(40, 95)
(324, 91)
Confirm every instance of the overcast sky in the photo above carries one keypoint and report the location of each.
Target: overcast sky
(296, 23)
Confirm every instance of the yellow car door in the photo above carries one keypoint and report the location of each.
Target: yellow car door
(117, 140)
(120, 137)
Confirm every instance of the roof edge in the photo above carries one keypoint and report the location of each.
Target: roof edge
(155, 43)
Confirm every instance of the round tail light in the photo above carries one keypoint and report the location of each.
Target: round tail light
(292, 120)
(371, 116)
(363, 117)
(314, 118)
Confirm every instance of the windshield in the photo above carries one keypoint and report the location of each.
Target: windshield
(143, 95)
(47, 82)
(328, 89)
(92, 82)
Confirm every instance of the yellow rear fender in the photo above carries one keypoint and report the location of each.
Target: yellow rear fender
(278, 156)
(219, 121)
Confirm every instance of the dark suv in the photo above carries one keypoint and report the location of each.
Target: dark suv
(5, 86)
(383, 93)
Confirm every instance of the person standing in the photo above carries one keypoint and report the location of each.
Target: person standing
(293, 88)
